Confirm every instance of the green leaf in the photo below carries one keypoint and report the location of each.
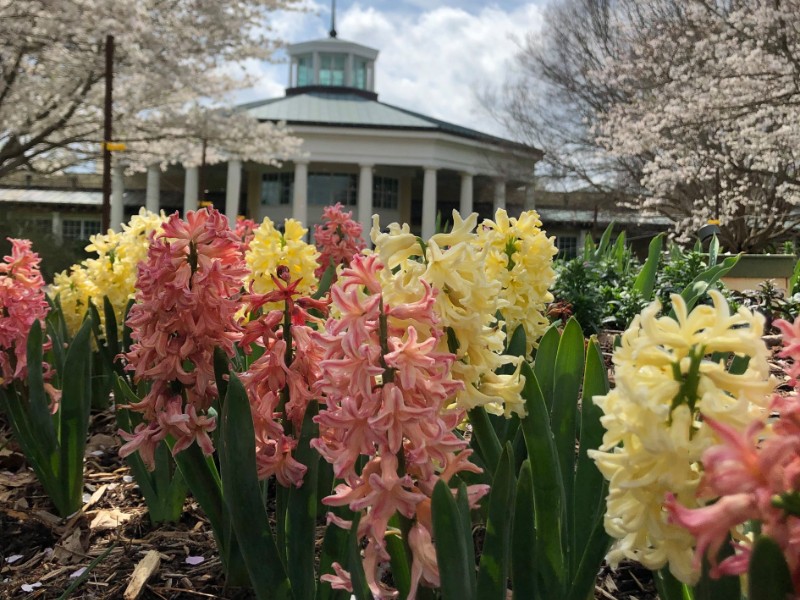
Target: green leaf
(15, 406)
(494, 564)
(301, 514)
(670, 588)
(548, 489)
(708, 588)
(462, 503)
(605, 240)
(112, 331)
(37, 409)
(57, 331)
(739, 365)
(127, 341)
(524, 561)
(335, 548)
(794, 279)
(354, 564)
(768, 576)
(713, 251)
(31, 420)
(75, 406)
(451, 552)
(243, 500)
(221, 370)
(646, 279)
(486, 437)
(590, 487)
(564, 413)
(399, 554)
(618, 252)
(584, 575)
(517, 342)
(164, 503)
(545, 363)
(706, 280)
(325, 281)
(202, 477)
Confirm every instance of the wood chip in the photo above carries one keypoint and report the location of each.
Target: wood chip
(109, 519)
(70, 549)
(141, 574)
(98, 493)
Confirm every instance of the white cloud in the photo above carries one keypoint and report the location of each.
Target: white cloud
(432, 61)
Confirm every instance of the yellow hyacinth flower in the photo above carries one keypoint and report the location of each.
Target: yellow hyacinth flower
(520, 258)
(666, 383)
(111, 274)
(270, 249)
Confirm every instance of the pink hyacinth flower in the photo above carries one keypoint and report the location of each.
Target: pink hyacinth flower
(338, 238)
(22, 301)
(188, 293)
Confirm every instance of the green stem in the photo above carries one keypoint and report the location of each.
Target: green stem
(687, 394)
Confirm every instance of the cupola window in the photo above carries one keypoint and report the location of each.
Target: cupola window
(360, 73)
(305, 70)
(331, 69)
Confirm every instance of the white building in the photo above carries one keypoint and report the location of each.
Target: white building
(372, 156)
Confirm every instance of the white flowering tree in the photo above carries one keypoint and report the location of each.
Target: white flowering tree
(175, 65)
(711, 98)
(550, 101)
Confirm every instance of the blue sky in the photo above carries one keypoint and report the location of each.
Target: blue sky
(435, 55)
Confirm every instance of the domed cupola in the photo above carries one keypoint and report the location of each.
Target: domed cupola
(332, 65)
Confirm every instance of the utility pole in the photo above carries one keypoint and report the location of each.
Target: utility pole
(106, 218)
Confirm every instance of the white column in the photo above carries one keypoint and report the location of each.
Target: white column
(365, 199)
(117, 192)
(300, 197)
(499, 194)
(530, 197)
(465, 206)
(429, 203)
(152, 197)
(233, 190)
(57, 226)
(191, 189)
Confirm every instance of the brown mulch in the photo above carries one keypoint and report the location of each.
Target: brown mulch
(36, 547)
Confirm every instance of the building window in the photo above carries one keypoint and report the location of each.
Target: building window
(360, 73)
(567, 246)
(331, 69)
(305, 70)
(43, 225)
(80, 229)
(277, 188)
(385, 192)
(329, 188)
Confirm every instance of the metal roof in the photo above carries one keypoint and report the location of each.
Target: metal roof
(77, 197)
(566, 215)
(348, 109)
(51, 196)
(341, 109)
